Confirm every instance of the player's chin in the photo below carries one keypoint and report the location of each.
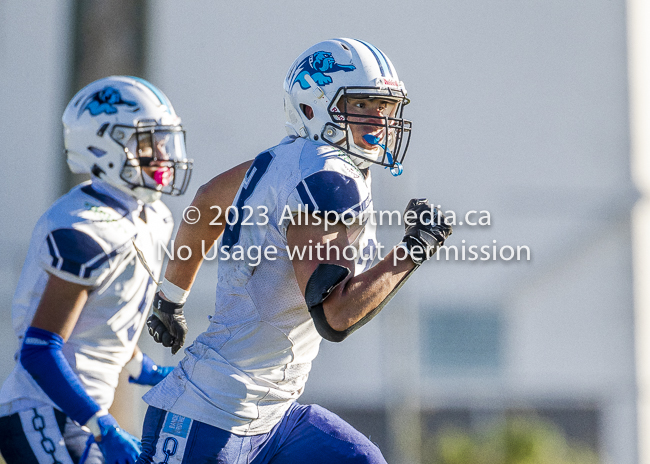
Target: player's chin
(368, 147)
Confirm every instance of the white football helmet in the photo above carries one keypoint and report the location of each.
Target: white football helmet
(124, 130)
(337, 68)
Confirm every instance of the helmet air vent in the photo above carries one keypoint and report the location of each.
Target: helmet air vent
(98, 152)
(100, 132)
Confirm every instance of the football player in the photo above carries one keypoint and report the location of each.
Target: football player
(233, 398)
(83, 296)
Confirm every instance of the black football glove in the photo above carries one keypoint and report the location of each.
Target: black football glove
(426, 232)
(167, 324)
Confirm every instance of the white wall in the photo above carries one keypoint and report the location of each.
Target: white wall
(34, 64)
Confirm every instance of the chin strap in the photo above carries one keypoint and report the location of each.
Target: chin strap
(144, 263)
(397, 169)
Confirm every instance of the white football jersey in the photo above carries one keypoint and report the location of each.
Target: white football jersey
(242, 374)
(86, 238)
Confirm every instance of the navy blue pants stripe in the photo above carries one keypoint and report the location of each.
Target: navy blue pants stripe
(150, 435)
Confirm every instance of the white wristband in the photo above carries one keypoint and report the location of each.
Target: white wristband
(134, 366)
(173, 292)
(93, 425)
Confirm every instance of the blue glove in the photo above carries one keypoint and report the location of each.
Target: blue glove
(117, 445)
(150, 374)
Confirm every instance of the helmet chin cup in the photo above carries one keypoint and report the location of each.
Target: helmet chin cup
(143, 194)
(129, 173)
(362, 157)
(146, 195)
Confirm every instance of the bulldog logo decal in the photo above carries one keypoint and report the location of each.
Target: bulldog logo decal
(318, 66)
(105, 101)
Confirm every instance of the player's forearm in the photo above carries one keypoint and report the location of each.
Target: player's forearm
(136, 353)
(336, 299)
(167, 324)
(199, 240)
(356, 297)
(211, 200)
(42, 357)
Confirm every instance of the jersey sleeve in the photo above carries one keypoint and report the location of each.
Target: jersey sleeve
(328, 193)
(75, 256)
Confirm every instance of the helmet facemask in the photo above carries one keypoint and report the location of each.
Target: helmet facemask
(390, 145)
(155, 158)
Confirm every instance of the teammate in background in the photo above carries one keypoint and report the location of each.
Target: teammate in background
(232, 399)
(82, 297)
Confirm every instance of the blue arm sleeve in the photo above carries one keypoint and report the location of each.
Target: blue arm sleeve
(151, 374)
(41, 355)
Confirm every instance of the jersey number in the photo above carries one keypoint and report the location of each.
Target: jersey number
(253, 176)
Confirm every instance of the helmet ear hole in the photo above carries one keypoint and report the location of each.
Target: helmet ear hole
(97, 171)
(307, 111)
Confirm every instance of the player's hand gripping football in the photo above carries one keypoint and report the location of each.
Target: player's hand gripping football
(167, 323)
(426, 230)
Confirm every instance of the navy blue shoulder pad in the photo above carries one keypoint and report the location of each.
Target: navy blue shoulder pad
(330, 191)
(71, 249)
